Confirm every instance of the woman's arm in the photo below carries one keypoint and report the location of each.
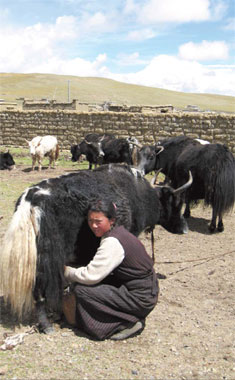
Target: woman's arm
(108, 256)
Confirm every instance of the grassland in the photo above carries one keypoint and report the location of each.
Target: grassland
(99, 90)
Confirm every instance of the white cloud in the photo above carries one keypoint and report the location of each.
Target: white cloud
(230, 24)
(22, 48)
(41, 48)
(76, 66)
(130, 59)
(173, 73)
(97, 23)
(159, 11)
(204, 51)
(129, 7)
(4, 14)
(218, 9)
(27, 49)
(65, 27)
(140, 35)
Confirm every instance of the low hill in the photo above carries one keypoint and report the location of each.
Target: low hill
(98, 90)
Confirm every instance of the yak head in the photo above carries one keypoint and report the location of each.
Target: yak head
(172, 200)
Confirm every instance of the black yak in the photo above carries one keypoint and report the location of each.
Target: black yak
(105, 149)
(6, 161)
(212, 167)
(49, 230)
(163, 155)
(213, 170)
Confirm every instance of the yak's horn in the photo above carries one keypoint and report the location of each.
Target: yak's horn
(154, 179)
(186, 185)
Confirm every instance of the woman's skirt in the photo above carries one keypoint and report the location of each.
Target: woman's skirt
(103, 309)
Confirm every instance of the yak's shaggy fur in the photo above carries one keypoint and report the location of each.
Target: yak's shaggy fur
(19, 258)
(212, 167)
(49, 229)
(6, 161)
(213, 171)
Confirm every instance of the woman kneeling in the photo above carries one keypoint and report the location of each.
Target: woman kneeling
(115, 292)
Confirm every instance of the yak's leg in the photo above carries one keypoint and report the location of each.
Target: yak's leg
(187, 209)
(44, 324)
(33, 162)
(39, 163)
(53, 163)
(220, 226)
(52, 160)
(212, 226)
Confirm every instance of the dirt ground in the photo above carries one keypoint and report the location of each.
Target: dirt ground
(189, 334)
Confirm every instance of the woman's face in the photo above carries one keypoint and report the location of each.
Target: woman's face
(99, 223)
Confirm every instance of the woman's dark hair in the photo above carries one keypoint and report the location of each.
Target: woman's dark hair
(107, 207)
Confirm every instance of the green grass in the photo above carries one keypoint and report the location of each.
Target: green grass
(9, 193)
(22, 157)
(99, 90)
(12, 186)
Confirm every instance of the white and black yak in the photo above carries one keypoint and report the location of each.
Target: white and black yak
(49, 230)
(92, 147)
(43, 146)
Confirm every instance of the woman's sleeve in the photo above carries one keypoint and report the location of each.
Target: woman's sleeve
(108, 256)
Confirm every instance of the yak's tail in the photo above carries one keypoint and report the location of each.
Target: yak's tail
(18, 259)
(224, 186)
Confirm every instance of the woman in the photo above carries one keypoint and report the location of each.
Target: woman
(115, 292)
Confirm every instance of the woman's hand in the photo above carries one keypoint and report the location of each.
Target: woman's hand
(66, 271)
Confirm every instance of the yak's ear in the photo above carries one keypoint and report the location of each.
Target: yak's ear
(28, 142)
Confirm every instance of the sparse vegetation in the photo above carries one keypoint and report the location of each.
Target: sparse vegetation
(99, 90)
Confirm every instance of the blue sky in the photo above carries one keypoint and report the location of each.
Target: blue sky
(180, 45)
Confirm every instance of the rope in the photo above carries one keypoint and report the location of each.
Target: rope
(195, 260)
(203, 261)
(151, 229)
(152, 243)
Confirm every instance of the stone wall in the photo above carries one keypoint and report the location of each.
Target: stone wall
(48, 105)
(71, 126)
(75, 105)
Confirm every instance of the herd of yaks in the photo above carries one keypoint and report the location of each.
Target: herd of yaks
(97, 149)
(49, 223)
(210, 165)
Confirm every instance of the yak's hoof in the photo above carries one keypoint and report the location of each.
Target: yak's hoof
(212, 229)
(48, 330)
(220, 228)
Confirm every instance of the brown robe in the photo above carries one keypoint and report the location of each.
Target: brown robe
(127, 295)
